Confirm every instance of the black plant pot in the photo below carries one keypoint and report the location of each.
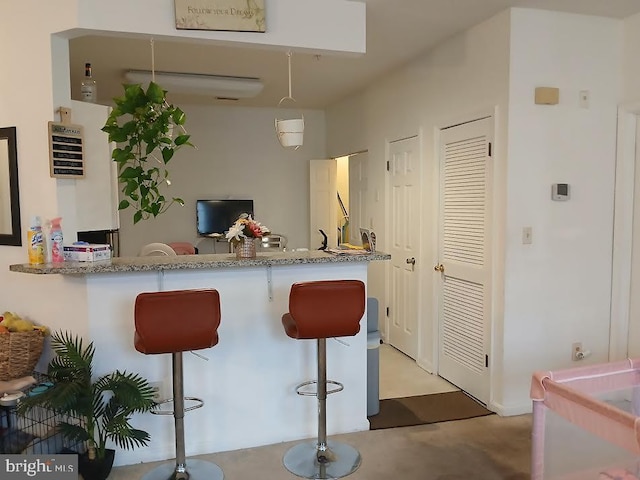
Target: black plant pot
(96, 469)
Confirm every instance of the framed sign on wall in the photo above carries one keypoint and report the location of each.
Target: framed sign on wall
(66, 152)
(226, 15)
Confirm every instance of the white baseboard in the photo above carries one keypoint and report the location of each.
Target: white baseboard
(425, 365)
(510, 410)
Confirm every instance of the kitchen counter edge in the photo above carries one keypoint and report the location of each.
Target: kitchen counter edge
(193, 262)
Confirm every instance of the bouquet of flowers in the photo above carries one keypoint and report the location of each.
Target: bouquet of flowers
(246, 227)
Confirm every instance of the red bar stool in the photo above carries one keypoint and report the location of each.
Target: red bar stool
(321, 310)
(199, 312)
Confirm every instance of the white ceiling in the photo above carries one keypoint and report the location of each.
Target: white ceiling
(397, 32)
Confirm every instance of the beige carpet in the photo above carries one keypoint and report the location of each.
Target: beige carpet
(483, 448)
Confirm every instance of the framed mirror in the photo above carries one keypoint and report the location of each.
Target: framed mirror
(10, 229)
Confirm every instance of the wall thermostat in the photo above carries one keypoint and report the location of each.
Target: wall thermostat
(560, 191)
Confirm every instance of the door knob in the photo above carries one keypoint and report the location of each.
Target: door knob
(411, 261)
(439, 268)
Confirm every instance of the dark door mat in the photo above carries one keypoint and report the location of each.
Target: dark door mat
(424, 409)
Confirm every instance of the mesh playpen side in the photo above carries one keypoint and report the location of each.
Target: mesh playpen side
(586, 422)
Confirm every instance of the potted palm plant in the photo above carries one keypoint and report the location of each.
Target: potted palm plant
(142, 123)
(103, 407)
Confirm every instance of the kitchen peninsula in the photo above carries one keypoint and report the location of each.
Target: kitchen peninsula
(248, 382)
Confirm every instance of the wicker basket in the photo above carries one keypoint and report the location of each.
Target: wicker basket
(19, 353)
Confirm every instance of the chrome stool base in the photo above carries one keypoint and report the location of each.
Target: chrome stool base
(195, 470)
(306, 461)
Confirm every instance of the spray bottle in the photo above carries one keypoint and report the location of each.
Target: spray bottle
(55, 235)
(35, 242)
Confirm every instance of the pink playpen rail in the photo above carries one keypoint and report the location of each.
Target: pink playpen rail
(568, 393)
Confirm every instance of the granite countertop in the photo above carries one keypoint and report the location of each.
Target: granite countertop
(193, 262)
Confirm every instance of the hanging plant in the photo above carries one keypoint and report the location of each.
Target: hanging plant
(142, 124)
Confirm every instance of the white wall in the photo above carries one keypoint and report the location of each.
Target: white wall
(301, 24)
(557, 290)
(237, 156)
(347, 125)
(28, 101)
(630, 60)
(460, 79)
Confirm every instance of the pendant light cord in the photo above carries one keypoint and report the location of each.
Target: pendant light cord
(280, 123)
(289, 59)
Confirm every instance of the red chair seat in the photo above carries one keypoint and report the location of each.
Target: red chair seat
(325, 309)
(176, 321)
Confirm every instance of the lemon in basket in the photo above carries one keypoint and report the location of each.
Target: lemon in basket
(16, 324)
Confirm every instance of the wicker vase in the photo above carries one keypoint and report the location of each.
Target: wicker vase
(246, 248)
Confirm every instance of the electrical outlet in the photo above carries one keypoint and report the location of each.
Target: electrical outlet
(157, 391)
(576, 351)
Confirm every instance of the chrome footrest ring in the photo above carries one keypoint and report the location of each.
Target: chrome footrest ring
(160, 411)
(299, 389)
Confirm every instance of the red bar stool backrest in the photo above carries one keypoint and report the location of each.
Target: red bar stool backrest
(325, 309)
(176, 321)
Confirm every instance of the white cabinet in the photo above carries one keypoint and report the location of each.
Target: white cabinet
(96, 195)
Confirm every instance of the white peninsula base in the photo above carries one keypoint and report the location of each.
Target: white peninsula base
(248, 383)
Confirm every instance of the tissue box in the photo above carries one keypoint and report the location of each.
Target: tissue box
(86, 253)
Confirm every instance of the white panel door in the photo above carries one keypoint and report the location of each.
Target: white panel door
(464, 253)
(358, 188)
(323, 203)
(404, 235)
(633, 341)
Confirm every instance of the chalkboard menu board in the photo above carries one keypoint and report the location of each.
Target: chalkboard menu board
(66, 152)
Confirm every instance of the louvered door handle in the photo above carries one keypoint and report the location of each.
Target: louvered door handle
(439, 268)
(411, 261)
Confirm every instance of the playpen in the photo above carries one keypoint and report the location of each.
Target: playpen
(586, 422)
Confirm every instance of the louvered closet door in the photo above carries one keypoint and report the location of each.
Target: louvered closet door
(464, 300)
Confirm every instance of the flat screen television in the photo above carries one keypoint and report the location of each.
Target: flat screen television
(214, 217)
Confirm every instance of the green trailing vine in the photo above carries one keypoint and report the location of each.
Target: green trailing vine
(141, 124)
